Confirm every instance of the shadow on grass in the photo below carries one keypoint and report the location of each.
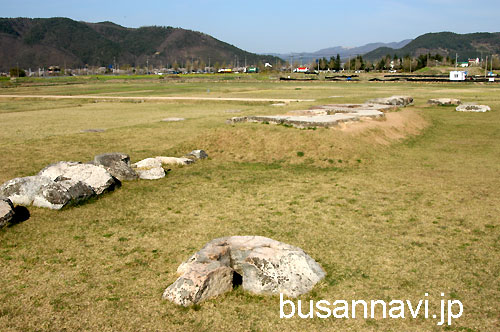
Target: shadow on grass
(21, 214)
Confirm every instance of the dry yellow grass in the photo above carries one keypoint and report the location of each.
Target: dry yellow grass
(390, 211)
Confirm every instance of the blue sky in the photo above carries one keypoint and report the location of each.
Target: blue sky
(280, 26)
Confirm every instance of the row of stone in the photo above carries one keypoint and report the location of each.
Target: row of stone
(331, 115)
(68, 182)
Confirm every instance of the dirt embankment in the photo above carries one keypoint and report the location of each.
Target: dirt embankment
(395, 126)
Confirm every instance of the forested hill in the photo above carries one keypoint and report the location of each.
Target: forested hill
(41, 42)
(470, 45)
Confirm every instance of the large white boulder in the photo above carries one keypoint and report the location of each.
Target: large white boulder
(149, 169)
(265, 266)
(40, 191)
(97, 178)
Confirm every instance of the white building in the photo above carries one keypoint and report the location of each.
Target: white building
(457, 75)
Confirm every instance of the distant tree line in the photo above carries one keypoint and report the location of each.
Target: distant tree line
(388, 62)
(333, 64)
(408, 63)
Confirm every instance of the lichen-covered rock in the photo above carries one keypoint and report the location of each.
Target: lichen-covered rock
(175, 161)
(444, 101)
(149, 169)
(271, 267)
(117, 164)
(99, 179)
(6, 212)
(200, 282)
(40, 191)
(265, 266)
(393, 100)
(473, 108)
(198, 154)
(77, 190)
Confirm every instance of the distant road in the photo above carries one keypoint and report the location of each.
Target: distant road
(156, 98)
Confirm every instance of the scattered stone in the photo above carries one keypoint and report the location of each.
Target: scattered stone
(6, 212)
(278, 104)
(265, 266)
(172, 119)
(40, 191)
(149, 169)
(233, 111)
(473, 108)
(174, 160)
(117, 164)
(93, 130)
(394, 100)
(99, 179)
(198, 154)
(444, 101)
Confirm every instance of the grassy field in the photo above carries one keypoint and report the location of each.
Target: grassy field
(394, 210)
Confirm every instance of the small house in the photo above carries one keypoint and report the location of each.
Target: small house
(457, 75)
(473, 62)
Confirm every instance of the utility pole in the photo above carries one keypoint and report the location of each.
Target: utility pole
(147, 65)
(486, 67)
(291, 63)
(456, 60)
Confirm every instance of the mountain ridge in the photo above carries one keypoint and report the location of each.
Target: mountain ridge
(41, 42)
(343, 51)
(470, 45)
